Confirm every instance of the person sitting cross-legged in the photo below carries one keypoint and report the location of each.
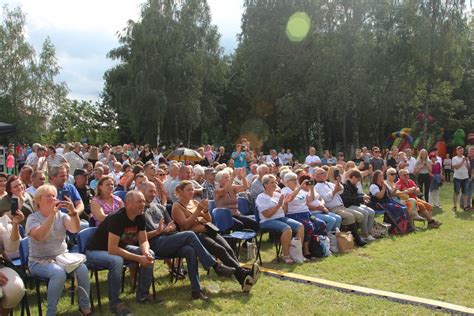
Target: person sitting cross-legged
(166, 242)
(122, 237)
(192, 215)
(407, 186)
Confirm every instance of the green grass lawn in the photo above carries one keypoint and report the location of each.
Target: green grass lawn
(436, 264)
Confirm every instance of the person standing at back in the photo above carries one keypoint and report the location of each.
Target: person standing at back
(240, 156)
(312, 160)
(461, 166)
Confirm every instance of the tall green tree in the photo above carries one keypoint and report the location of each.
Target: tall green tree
(76, 120)
(27, 82)
(171, 74)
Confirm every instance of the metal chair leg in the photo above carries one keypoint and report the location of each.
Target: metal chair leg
(38, 297)
(25, 305)
(72, 290)
(123, 278)
(153, 286)
(134, 274)
(97, 289)
(239, 243)
(259, 243)
(91, 300)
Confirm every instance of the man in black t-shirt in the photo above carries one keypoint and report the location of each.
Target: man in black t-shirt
(359, 161)
(122, 237)
(392, 162)
(167, 243)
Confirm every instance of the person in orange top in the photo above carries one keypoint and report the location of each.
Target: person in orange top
(407, 186)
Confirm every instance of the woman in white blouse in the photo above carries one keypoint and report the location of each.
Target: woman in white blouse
(272, 216)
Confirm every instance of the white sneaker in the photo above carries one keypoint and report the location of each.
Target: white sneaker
(370, 238)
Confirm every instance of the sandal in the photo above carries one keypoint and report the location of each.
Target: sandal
(287, 260)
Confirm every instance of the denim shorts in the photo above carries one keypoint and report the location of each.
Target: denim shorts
(281, 224)
(461, 185)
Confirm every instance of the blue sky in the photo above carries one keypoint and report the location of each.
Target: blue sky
(84, 31)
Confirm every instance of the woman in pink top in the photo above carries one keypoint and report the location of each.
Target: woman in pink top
(10, 163)
(104, 202)
(436, 181)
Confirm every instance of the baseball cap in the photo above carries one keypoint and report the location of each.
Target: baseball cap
(79, 172)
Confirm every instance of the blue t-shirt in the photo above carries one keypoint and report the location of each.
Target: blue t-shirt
(93, 184)
(71, 191)
(240, 161)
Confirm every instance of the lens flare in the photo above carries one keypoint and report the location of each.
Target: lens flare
(255, 131)
(298, 26)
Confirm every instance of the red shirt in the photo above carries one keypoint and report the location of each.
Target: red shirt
(404, 186)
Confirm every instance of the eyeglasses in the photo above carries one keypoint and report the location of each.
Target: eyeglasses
(392, 174)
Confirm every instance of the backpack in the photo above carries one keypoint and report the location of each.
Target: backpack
(316, 249)
(397, 215)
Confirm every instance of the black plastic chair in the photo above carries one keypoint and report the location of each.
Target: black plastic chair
(275, 234)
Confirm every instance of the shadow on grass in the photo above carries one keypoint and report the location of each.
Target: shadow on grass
(465, 215)
(437, 211)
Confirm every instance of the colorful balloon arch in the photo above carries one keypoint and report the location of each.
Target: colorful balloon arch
(402, 139)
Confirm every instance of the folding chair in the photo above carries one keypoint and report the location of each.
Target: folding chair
(83, 238)
(120, 194)
(222, 218)
(19, 268)
(263, 231)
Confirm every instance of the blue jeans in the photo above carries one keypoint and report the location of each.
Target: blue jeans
(184, 245)
(470, 193)
(145, 274)
(281, 224)
(332, 220)
(461, 185)
(57, 279)
(114, 277)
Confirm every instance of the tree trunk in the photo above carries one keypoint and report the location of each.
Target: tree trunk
(344, 131)
(355, 126)
(320, 132)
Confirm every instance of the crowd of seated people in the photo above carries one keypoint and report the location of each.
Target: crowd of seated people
(144, 207)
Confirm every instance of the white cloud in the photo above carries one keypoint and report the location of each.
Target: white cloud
(84, 31)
